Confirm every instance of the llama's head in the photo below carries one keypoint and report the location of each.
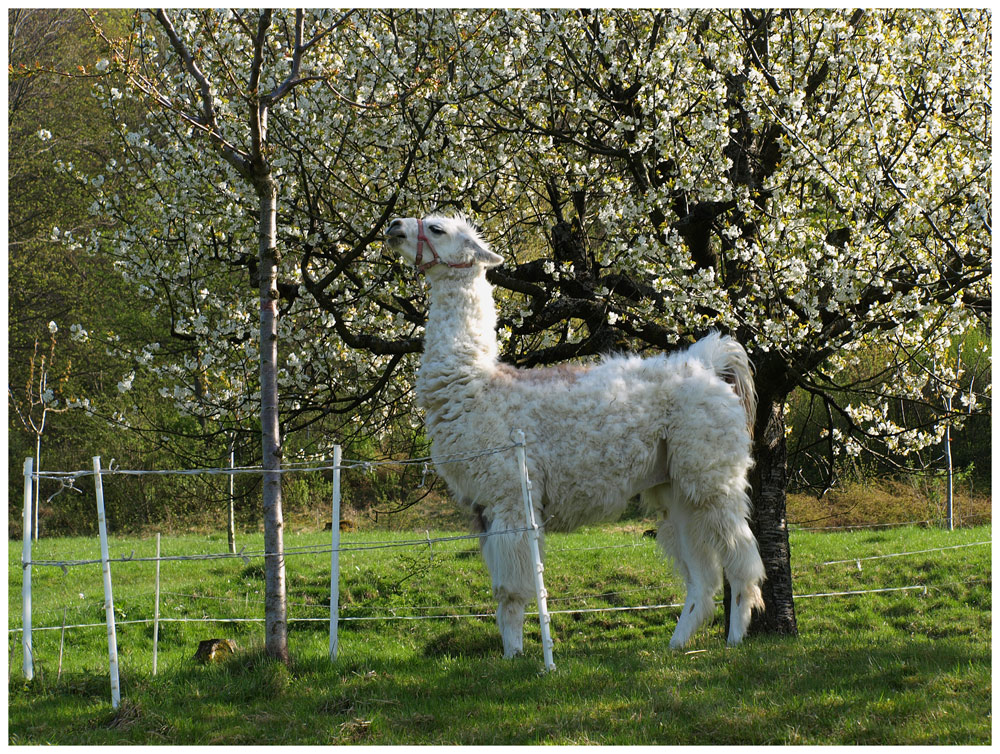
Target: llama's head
(437, 242)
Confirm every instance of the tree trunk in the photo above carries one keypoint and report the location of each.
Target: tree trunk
(275, 607)
(768, 480)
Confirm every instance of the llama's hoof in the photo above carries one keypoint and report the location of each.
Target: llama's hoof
(678, 644)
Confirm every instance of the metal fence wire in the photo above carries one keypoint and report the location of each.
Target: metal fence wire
(405, 613)
(336, 465)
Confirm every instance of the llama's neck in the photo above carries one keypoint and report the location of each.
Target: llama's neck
(460, 340)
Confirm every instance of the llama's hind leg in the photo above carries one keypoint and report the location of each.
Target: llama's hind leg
(508, 559)
(745, 572)
(702, 578)
(696, 563)
(727, 527)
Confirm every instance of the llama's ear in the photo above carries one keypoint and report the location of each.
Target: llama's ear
(483, 255)
(488, 258)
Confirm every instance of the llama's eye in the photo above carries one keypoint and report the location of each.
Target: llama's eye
(436, 229)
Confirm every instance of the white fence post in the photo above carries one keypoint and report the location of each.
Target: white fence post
(109, 605)
(38, 458)
(62, 643)
(231, 518)
(29, 668)
(335, 558)
(540, 593)
(156, 607)
(950, 473)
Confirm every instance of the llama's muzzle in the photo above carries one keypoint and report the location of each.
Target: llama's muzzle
(395, 233)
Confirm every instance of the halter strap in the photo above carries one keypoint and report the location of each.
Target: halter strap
(435, 259)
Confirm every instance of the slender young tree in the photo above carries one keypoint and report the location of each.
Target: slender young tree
(214, 68)
(38, 400)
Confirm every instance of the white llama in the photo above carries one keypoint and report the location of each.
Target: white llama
(675, 428)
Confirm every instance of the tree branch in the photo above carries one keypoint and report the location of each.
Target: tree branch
(209, 119)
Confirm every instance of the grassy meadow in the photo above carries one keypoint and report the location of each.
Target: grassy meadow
(910, 666)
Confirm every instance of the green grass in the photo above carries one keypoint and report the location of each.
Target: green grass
(903, 667)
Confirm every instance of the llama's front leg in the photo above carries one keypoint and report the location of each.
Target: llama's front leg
(508, 558)
(510, 621)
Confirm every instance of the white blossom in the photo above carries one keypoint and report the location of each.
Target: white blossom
(887, 98)
(125, 384)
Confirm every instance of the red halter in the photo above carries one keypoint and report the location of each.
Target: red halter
(435, 259)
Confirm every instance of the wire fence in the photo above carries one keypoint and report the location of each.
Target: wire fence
(336, 465)
(289, 468)
(578, 604)
(937, 521)
(483, 609)
(245, 555)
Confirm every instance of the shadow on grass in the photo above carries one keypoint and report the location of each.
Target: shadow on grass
(470, 640)
(769, 691)
(457, 689)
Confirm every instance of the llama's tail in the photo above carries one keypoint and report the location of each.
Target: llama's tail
(728, 359)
